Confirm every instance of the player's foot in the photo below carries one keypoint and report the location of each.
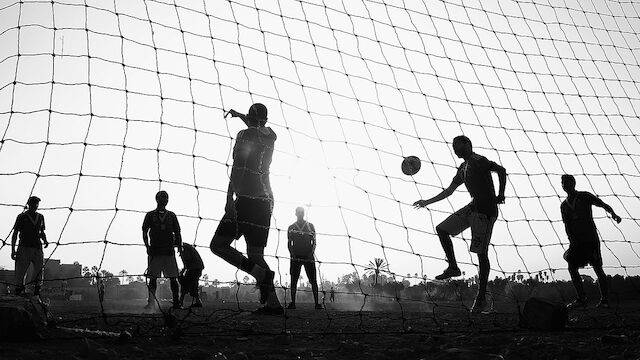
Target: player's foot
(197, 305)
(265, 310)
(603, 304)
(177, 306)
(150, 305)
(449, 273)
(577, 303)
(319, 307)
(266, 286)
(291, 306)
(479, 306)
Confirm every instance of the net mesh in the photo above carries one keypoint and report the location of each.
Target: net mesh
(104, 103)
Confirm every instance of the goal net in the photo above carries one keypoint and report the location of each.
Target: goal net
(102, 104)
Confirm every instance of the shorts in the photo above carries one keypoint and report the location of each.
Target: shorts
(189, 282)
(481, 227)
(583, 255)
(309, 264)
(27, 256)
(252, 222)
(159, 265)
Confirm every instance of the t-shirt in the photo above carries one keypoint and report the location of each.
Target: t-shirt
(190, 258)
(578, 217)
(301, 238)
(252, 155)
(30, 227)
(162, 225)
(475, 173)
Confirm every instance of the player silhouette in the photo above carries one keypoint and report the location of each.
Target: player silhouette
(302, 245)
(584, 243)
(480, 214)
(160, 233)
(249, 214)
(29, 227)
(190, 274)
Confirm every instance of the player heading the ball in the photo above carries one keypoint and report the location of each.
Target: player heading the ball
(249, 213)
(301, 237)
(160, 233)
(480, 214)
(584, 243)
(30, 226)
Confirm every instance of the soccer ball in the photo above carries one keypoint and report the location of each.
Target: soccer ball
(411, 165)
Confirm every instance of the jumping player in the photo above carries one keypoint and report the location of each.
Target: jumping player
(190, 274)
(302, 246)
(160, 233)
(584, 243)
(480, 214)
(249, 214)
(30, 226)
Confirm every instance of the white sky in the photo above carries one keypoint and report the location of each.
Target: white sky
(542, 87)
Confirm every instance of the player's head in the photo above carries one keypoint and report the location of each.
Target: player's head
(162, 198)
(462, 146)
(257, 115)
(300, 212)
(33, 202)
(568, 182)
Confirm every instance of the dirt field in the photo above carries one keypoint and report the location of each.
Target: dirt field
(406, 331)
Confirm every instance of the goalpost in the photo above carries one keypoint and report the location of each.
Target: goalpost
(102, 104)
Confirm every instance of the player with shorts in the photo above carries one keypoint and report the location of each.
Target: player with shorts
(29, 227)
(160, 233)
(302, 246)
(190, 274)
(479, 215)
(584, 242)
(249, 214)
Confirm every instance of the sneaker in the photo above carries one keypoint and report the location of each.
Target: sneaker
(265, 310)
(603, 304)
(319, 307)
(449, 273)
(291, 306)
(577, 303)
(196, 305)
(266, 286)
(479, 306)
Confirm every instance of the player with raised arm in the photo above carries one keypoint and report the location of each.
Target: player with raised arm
(161, 233)
(480, 214)
(190, 274)
(29, 227)
(302, 246)
(249, 213)
(584, 242)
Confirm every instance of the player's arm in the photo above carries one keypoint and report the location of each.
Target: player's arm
(313, 238)
(43, 236)
(146, 225)
(443, 194)
(599, 203)
(14, 239)
(566, 219)
(502, 180)
(176, 232)
(290, 241)
(234, 113)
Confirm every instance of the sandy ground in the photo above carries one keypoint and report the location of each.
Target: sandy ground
(394, 331)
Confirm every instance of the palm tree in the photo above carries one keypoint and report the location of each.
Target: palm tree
(375, 267)
(123, 274)
(205, 278)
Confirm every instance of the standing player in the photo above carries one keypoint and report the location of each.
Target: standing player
(160, 233)
(480, 214)
(249, 214)
(332, 294)
(30, 226)
(302, 246)
(190, 274)
(584, 243)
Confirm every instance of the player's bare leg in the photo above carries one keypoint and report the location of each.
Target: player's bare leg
(175, 289)
(452, 270)
(310, 269)
(295, 275)
(484, 266)
(581, 301)
(151, 286)
(604, 287)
